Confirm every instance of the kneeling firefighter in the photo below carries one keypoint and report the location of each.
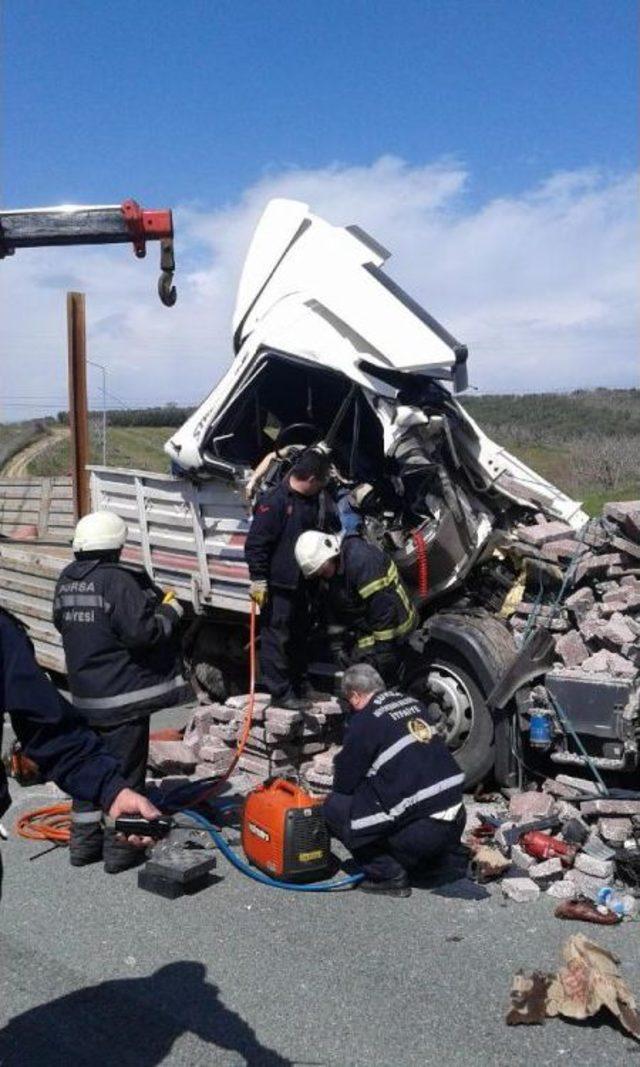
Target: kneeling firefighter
(366, 584)
(397, 790)
(120, 639)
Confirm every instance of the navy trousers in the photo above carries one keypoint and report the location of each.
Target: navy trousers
(284, 630)
(413, 845)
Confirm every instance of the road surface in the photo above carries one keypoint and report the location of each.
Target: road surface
(97, 971)
(18, 465)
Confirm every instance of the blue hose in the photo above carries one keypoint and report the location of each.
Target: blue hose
(309, 887)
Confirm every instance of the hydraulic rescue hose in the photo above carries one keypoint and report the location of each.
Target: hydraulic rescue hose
(258, 876)
(53, 823)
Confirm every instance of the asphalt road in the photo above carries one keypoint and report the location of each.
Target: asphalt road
(97, 972)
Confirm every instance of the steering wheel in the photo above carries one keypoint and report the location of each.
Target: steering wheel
(291, 434)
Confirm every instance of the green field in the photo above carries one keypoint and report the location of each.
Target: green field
(587, 442)
(138, 447)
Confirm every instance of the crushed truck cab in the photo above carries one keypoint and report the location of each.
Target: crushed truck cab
(329, 349)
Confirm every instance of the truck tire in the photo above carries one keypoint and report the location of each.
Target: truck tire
(465, 654)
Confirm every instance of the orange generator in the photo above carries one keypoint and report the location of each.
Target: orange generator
(284, 832)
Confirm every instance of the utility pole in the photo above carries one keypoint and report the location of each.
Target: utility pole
(104, 408)
(78, 409)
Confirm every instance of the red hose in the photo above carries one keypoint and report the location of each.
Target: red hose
(246, 726)
(53, 823)
(422, 562)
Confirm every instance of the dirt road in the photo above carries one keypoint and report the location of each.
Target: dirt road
(18, 464)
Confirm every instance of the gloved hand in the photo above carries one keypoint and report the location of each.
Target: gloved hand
(170, 600)
(259, 592)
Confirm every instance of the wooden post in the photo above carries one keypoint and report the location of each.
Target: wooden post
(78, 408)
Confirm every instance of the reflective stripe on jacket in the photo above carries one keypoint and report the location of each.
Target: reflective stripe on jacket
(120, 642)
(373, 585)
(395, 765)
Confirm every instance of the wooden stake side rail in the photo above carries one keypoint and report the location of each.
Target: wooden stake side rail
(46, 503)
(28, 575)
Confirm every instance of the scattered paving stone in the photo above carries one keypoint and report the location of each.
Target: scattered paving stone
(586, 883)
(546, 872)
(617, 632)
(581, 602)
(171, 757)
(615, 831)
(594, 566)
(598, 663)
(608, 806)
(572, 649)
(544, 532)
(524, 807)
(618, 510)
(590, 865)
(521, 890)
(562, 890)
(581, 785)
(522, 859)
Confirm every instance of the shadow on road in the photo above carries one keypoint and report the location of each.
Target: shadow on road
(134, 1022)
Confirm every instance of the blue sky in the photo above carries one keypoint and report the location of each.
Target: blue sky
(192, 101)
(490, 144)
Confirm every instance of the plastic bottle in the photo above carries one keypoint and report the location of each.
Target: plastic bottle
(621, 903)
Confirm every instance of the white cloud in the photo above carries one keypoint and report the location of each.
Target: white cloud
(541, 285)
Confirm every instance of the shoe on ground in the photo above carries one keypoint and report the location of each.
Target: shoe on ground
(391, 887)
(293, 703)
(85, 845)
(316, 696)
(118, 856)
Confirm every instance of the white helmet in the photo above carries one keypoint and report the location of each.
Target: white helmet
(100, 531)
(313, 548)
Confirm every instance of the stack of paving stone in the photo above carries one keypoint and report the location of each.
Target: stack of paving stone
(597, 624)
(594, 825)
(281, 742)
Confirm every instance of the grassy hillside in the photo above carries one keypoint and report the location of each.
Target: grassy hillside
(14, 436)
(139, 447)
(588, 443)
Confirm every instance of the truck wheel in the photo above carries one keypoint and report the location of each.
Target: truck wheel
(448, 688)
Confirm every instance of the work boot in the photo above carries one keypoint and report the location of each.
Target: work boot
(397, 886)
(293, 703)
(119, 856)
(85, 844)
(308, 692)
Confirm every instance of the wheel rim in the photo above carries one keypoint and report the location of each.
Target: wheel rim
(443, 688)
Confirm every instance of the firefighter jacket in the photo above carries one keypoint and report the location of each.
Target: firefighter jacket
(119, 641)
(280, 516)
(371, 593)
(50, 732)
(395, 765)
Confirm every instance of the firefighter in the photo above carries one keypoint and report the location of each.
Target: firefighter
(55, 737)
(364, 584)
(397, 790)
(300, 502)
(120, 639)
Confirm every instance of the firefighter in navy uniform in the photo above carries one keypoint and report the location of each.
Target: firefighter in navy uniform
(397, 790)
(55, 737)
(300, 502)
(364, 583)
(120, 641)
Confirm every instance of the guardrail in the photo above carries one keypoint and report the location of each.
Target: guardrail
(43, 503)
